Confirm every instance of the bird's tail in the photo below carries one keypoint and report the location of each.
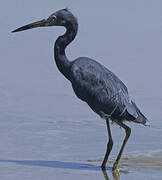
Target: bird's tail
(140, 118)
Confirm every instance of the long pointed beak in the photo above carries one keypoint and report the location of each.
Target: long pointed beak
(41, 23)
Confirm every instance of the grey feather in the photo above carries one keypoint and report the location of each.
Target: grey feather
(103, 91)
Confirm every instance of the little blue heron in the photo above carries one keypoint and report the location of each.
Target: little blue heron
(93, 83)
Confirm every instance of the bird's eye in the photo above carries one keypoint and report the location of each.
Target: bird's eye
(53, 17)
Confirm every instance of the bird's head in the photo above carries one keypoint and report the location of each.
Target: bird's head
(62, 17)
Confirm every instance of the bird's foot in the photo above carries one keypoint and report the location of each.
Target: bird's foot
(116, 167)
(116, 171)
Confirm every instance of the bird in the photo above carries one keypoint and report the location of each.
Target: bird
(92, 82)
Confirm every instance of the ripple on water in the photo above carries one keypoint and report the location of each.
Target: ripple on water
(148, 160)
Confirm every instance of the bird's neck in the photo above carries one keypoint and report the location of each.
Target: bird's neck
(61, 43)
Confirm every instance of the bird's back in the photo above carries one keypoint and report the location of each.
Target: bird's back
(104, 92)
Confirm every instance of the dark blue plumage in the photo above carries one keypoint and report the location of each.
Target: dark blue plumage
(93, 83)
(103, 91)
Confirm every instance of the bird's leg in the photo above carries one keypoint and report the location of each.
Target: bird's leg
(109, 145)
(128, 132)
(105, 174)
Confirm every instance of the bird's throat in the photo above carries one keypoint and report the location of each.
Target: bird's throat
(61, 43)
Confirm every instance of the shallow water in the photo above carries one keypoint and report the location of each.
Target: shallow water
(46, 132)
(64, 148)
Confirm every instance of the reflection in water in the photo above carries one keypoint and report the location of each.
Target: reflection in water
(105, 175)
(136, 161)
(64, 165)
(150, 160)
(115, 174)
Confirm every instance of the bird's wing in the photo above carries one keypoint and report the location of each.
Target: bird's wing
(103, 91)
(100, 88)
(126, 107)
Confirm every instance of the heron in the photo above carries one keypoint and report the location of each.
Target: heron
(92, 82)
